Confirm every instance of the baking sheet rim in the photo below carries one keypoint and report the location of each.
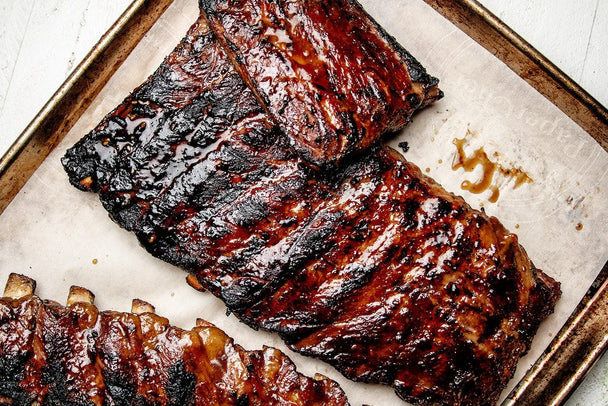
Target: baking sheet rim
(541, 381)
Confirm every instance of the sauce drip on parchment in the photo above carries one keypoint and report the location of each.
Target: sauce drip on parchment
(490, 169)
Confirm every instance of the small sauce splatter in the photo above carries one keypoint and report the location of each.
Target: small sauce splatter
(490, 170)
(578, 203)
(516, 225)
(517, 174)
(427, 170)
(579, 226)
(95, 261)
(469, 163)
(440, 161)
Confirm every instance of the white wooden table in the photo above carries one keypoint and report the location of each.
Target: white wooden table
(42, 41)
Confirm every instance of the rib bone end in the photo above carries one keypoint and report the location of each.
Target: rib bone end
(140, 306)
(18, 286)
(80, 295)
(203, 323)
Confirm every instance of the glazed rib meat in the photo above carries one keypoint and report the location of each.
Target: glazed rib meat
(391, 280)
(330, 76)
(77, 355)
(165, 127)
(370, 266)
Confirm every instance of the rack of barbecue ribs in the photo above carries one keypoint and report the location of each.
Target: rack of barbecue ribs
(77, 355)
(370, 266)
(331, 78)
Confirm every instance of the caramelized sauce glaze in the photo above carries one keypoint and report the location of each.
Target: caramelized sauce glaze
(76, 355)
(327, 73)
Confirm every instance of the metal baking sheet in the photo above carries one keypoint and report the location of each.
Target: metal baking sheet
(61, 236)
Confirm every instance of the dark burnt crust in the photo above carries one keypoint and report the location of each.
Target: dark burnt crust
(190, 116)
(416, 70)
(16, 353)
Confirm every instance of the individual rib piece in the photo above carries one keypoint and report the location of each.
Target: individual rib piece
(329, 75)
(371, 266)
(76, 355)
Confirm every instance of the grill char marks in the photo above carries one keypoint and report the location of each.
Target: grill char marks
(328, 74)
(163, 128)
(75, 355)
(371, 266)
(445, 316)
(196, 197)
(217, 230)
(16, 349)
(326, 256)
(393, 280)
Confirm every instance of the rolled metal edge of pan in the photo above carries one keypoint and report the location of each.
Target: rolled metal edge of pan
(580, 342)
(528, 63)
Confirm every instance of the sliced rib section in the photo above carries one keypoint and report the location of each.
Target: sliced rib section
(329, 75)
(77, 355)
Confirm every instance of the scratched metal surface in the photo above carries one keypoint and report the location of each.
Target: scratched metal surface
(31, 68)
